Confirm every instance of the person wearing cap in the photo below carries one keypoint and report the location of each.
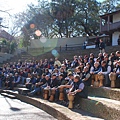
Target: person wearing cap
(54, 81)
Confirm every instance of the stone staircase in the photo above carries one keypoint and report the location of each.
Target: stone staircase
(102, 103)
(62, 54)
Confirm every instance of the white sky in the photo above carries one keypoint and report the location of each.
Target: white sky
(15, 6)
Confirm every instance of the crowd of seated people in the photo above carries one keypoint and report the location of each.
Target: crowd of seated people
(70, 77)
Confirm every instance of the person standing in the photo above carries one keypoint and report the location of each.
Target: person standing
(101, 46)
(118, 40)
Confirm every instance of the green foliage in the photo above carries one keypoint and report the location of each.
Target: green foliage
(108, 6)
(63, 18)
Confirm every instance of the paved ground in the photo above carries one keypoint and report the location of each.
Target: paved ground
(13, 109)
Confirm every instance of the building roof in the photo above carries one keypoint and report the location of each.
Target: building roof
(115, 12)
(6, 35)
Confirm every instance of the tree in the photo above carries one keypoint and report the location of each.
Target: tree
(61, 18)
(87, 17)
(108, 6)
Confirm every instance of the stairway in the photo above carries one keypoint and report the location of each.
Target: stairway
(62, 54)
(102, 103)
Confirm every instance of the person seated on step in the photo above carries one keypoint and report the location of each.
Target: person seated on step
(9, 80)
(61, 81)
(115, 75)
(75, 62)
(105, 70)
(23, 75)
(56, 72)
(78, 90)
(40, 82)
(31, 81)
(86, 76)
(2, 79)
(117, 55)
(57, 62)
(94, 73)
(63, 71)
(47, 72)
(17, 80)
(67, 87)
(78, 71)
(53, 85)
(118, 74)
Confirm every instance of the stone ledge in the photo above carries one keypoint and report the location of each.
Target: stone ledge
(8, 95)
(58, 111)
(102, 107)
(105, 108)
(111, 93)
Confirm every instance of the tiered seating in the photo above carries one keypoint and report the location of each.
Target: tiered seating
(103, 102)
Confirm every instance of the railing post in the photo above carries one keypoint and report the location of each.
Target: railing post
(43, 48)
(60, 48)
(66, 47)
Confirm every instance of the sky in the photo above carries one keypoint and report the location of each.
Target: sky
(15, 6)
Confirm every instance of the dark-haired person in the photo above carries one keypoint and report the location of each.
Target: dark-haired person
(102, 46)
(105, 70)
(67, 86)
(86, 77)
(117, 55)
(17, 80)
(38, 85)
(61, 81)
(118, 74)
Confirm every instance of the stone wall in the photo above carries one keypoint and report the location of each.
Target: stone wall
(56, 42)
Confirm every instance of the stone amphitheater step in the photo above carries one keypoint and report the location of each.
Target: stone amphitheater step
(105, 108)
(58, 111)
(106, 92)
(63, 54)
(8, 95)
(102, 107)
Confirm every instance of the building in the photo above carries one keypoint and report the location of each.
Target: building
(110, 25)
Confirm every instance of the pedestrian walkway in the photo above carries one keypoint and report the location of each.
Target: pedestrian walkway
(13, 109)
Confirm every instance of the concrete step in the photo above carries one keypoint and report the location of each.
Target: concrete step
(8, 95)
(105, 108)
(102, 107)
(58, 111)
(107, 92)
